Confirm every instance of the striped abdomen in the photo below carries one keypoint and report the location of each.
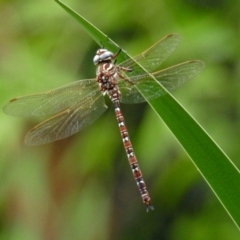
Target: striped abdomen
(131, 157)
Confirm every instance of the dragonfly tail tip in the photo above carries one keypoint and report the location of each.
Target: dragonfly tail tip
(149, 207)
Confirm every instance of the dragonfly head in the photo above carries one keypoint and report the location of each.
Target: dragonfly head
(103, 55)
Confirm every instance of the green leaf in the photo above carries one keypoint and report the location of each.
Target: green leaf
(216, 168)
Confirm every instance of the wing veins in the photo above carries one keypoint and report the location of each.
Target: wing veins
(64, 123)
(50, 102)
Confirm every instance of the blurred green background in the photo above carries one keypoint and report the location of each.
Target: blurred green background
(82, 187)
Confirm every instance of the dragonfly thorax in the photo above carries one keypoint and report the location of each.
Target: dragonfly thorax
(103, 55)
(107, 76)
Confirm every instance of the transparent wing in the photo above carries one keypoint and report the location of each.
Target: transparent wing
(153, 57)
(51, 102)
(69, 121)
(170, 78)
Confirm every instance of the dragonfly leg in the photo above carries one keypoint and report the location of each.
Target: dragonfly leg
(125, 78)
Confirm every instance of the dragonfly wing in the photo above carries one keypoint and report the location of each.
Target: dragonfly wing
(67, 122)
(50, 102)
(153, 57)
(170, 78)
(130, 94)
(173, 77)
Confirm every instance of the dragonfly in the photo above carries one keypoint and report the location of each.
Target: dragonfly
(76, 105)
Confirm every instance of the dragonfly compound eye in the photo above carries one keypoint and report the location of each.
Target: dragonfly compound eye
(105, 56)
(96, 59)
(102, 55)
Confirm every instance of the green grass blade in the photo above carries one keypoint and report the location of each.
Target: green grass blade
(96, 34)
(216, 168)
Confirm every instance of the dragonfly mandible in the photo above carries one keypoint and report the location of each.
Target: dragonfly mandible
(78, 104)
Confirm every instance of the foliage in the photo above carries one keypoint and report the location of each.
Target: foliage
(84, 178)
